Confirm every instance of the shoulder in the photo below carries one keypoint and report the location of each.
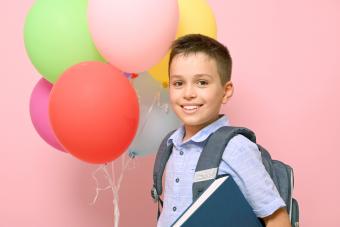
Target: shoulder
(242, 160)
(240, 146)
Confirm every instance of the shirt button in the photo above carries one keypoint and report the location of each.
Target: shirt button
(181, 153)
(177, 180)
(174, 208)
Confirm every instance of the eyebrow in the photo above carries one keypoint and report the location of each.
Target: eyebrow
(196, 76)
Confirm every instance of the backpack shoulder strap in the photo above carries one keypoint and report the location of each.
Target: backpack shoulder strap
(162, 158)
(210, 158)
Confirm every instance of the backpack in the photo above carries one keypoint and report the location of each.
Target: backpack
(209, 160)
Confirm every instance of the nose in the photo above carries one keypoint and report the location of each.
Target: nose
(189, 92)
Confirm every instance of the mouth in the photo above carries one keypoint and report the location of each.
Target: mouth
(191, 108)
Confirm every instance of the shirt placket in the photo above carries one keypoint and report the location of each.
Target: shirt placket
(177, 176)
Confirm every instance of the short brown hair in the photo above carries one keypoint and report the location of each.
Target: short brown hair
(197, 43)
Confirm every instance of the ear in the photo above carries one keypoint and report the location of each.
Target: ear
(228, 91)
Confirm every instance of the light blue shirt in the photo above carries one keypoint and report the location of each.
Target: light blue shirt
(241, 159)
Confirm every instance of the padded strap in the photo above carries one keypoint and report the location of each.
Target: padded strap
(162, 158)
(211, 156)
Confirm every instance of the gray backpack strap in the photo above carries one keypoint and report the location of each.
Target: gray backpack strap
(211, 156)
(282, 176)
(162, 158)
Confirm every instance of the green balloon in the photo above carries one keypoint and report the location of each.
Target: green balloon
(56, 36)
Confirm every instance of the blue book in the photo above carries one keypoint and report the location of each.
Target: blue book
(221, 205)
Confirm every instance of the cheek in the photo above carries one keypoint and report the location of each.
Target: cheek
(214, 98)
(172, 97)
(173, 94)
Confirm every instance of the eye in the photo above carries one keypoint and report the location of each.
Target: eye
(202, 83)
(177, 83)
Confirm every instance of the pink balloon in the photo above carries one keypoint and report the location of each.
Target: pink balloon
(133, 35)
(39, 113)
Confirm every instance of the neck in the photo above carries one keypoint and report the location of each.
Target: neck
(191, 130)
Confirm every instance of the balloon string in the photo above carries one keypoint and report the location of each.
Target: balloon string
(98, 189)
(156, 101)
(162, 106)
(147, 116)
(112, 183)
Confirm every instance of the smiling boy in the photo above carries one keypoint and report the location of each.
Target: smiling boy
(199, 83)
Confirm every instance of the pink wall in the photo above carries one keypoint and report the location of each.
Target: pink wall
(286, 74)
(286, 80)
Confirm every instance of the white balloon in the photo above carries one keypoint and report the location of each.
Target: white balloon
(157, 118)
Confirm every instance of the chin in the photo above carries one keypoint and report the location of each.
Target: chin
(188, 121)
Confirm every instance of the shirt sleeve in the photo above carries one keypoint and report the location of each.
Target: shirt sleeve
(242, 160)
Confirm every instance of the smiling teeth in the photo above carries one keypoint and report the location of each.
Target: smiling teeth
(190, 107)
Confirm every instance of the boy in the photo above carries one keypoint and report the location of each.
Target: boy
(199, 83)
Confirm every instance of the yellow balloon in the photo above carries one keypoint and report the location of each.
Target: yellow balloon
(195, 16)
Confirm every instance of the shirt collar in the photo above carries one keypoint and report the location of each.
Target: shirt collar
(200, 136)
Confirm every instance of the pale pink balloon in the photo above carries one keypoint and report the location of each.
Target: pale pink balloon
(133, 35)
(39, 113)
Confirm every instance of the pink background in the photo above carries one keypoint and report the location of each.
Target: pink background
(286, 72)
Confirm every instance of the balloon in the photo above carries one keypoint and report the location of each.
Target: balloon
(56, 36)
(156, 116)
(133, 35)
(196, 16)
(130, 75)
(39, 113)
(94, 111)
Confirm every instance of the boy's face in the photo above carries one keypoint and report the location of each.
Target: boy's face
(195, 90)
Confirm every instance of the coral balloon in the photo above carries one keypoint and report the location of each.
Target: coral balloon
(39, 113)
(57, 36)
(94, 111)
(133, 35)
(196, 16)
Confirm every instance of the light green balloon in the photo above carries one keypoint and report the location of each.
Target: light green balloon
(56, 36)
